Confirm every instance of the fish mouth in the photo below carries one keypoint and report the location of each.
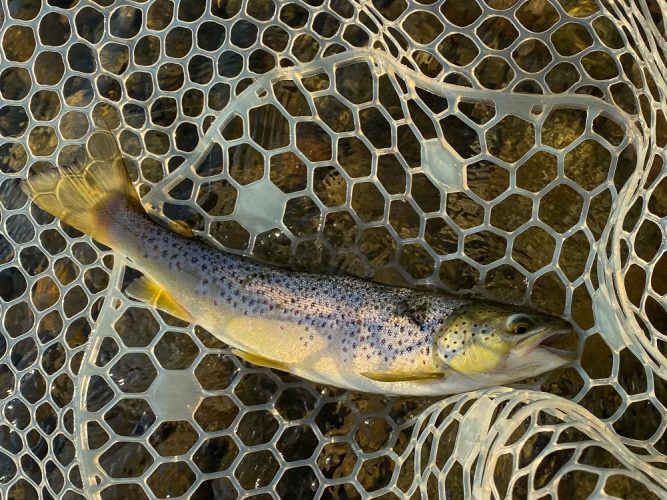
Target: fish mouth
(562, 342)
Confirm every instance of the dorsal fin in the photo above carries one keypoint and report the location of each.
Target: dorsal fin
(147, 290)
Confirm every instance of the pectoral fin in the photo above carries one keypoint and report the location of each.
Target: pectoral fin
(403, 376)
(257, 359)
(152, 293)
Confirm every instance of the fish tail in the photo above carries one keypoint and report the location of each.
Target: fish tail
(87, 195)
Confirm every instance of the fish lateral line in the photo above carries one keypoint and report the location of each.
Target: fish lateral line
(390, 376)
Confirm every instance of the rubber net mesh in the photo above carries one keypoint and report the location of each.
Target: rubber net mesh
(511, 149)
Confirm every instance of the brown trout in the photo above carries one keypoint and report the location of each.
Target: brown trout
(331, 329)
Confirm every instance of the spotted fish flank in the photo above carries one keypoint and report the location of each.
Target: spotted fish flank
(330, 329)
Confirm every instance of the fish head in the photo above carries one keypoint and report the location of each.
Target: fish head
(509, 342)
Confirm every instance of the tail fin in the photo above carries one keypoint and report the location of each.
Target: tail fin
(83, 195)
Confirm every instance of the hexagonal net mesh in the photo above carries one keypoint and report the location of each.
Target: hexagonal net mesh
(510, 149)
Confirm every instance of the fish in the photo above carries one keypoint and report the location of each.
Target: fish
(331, 329)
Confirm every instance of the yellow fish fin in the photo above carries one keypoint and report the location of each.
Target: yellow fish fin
(88, 193)
(259, 360)
(403, 376)
(152, 293)
(180, 227)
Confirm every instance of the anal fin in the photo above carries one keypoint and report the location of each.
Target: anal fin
(146, 290)
(403, 376)
(259, 360)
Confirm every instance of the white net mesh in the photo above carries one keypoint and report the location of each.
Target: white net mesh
(513, 149)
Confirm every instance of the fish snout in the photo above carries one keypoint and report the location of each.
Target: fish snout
(560, 340)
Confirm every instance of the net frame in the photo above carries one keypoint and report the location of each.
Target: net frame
(47, 367)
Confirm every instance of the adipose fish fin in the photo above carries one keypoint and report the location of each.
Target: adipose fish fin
(259, 360)
(180, 227)
(403, 376)
(146, 290)
(86, 194)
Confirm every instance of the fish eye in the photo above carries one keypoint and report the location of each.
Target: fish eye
(519, 324)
